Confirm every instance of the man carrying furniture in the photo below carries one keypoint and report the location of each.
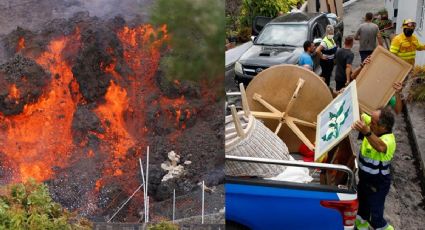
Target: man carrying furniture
(375, 157)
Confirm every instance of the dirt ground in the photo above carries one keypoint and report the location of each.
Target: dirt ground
(405, 208)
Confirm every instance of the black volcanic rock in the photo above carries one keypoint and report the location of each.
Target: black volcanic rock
(26, 78)
(83, 122)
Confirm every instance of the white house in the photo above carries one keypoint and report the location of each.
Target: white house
(392, 6)
(398, 10)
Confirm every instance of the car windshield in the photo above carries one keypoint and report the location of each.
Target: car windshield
(291, 35)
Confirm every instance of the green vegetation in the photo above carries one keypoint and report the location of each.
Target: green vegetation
(267, 8)
(197, 32)
(417, 84)
(29, 206)
(163, 226)
(240, 14)
(381, 19)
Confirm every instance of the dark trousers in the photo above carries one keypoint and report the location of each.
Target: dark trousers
(365, 54)
(372, 190)
(327, 68)
(339, 85)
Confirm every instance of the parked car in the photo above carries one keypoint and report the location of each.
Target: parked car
(281, 40)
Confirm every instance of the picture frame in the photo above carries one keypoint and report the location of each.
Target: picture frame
(335, 121)
(375, 81)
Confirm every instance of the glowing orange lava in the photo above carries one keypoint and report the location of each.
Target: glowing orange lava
(13, 92)
(40, 137)
(177, 104)
(111, 114)
(21, 44)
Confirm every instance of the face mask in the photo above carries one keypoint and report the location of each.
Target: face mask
(331, 36)
(408, 32)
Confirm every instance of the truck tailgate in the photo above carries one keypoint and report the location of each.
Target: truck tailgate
(274, 206)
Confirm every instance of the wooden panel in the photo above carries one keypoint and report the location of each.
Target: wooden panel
(332, 6)
(335, 121)
(374, 83)
(339, 8)
(324, 6)
(311, 5)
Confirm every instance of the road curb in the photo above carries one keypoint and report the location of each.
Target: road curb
(416, 140)
(348, 3)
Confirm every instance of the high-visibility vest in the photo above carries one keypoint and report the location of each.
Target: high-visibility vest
(372, 161)
(405, 47)
(330, 48)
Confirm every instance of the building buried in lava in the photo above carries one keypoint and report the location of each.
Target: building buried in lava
(81, 99)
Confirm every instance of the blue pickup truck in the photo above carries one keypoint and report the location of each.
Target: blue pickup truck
(328, 202)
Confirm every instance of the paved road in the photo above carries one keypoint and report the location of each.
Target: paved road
(354, 16)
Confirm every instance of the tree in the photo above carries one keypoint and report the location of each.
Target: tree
(29, 206)
(196, 28)
(268, 8)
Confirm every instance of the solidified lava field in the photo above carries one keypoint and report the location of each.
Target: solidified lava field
(82, 98)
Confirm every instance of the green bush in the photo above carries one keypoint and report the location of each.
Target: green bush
(197, 30)
(244, 34)
(383, 11)
(163, 226)
(268, 8)
(29, 206)
(232, 11)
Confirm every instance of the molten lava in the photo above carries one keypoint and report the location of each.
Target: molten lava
(46, 137)
(111, 114)
(21, 44)
(40, 137)
(13, 92)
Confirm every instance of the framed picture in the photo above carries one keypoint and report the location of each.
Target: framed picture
(375, 81)
(334, 122)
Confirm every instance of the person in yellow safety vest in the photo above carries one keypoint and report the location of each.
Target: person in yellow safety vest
(405, 44)
(374, 161)
(326, 52)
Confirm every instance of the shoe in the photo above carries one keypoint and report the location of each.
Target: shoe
(389, 227)
(361, 224)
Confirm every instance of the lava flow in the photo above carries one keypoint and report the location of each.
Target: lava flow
(21, 44)
(39, 138)
(81, 103)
